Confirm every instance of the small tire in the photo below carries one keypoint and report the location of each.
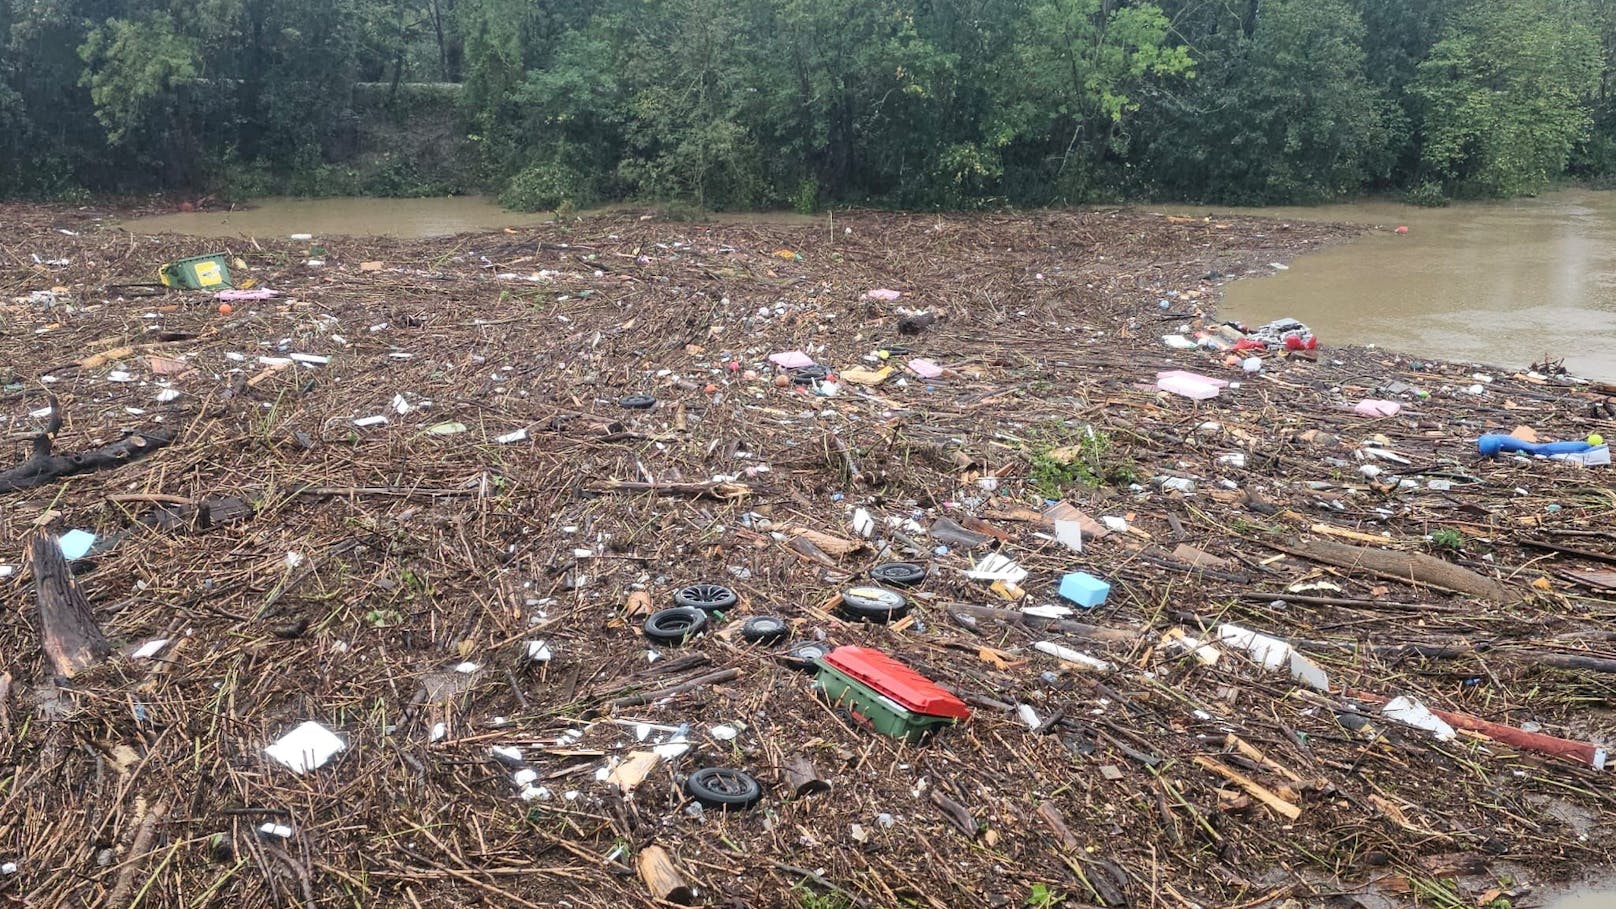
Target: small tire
(804, 656)
(723, 788)
(706, 597)
(874, 604)
(676, 625)
(764, 629)
(636, 402)
(808, 375)
(899, 574)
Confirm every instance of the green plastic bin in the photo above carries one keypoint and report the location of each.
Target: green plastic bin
(197, 273)
(876, 710)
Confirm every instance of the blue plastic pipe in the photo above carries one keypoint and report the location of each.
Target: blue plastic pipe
(1492, 444)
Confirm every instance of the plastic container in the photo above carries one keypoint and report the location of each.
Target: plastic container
(196, 272)
(1084, 589)
(886, 695)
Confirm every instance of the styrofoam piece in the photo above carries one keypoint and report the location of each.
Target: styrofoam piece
(307, 747)
(1410, 712)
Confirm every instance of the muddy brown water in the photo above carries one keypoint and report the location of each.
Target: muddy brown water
(1586, 899)
(1498, 283)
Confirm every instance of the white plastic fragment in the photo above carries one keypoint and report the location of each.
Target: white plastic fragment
(539, 651)
(118, 375)
(167, 394)
(269, 828)
(519, 435)
(149, 649)
(1070, 534)
(1410, 712)
(997, 567)
(8, 868)
(723, 733)
(863, 524)
(439, 730)
(524, 776)
(306, 747)
(510, 752)
(468, 667)
(1068, 655)
(364, 422)
(311, 359)
(1272, 653)
(1029, 716)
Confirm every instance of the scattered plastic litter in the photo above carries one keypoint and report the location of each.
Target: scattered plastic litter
(1411, 712)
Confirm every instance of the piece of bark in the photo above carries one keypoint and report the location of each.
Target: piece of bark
(958, 814)
(1052, 816)
(831, 544)
(661, 878)
(1402, 566)
(69, 635)
(803, 777)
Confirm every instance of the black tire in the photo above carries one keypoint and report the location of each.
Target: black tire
(706, 597)
(899, 574)
(804, 656)
(676, 625)
(637, 402)
(764, 629)
(874, 604)
(808, 375)
(723, 788)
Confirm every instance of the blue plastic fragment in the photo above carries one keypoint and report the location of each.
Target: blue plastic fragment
(76, 544)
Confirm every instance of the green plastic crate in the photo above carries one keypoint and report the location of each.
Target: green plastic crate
(876, 710)
(196, 273)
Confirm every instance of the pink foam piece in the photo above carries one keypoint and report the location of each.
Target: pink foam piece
(926, 369)
(882, 294)
(242, 296)
(791, 359)
(1179, 373)
(1373, 408)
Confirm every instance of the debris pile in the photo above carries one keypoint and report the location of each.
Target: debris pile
(526, 567)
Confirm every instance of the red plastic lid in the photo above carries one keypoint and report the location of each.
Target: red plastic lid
(913, 691)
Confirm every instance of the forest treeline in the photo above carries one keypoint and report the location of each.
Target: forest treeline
(803, 103)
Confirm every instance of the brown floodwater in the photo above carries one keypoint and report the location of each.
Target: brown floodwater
(440, 216)
(1498, 283)
(1586, 899)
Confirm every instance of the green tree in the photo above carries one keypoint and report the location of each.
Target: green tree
(1505, 95)
(132, 68)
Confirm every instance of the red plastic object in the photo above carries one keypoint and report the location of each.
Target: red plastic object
(911, 690)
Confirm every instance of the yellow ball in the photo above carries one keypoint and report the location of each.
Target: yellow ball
(1595, 439)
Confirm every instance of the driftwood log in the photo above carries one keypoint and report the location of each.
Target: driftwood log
(661, 878)
(68, 632)
(803, 777)
(1402, 566)
(43, 467)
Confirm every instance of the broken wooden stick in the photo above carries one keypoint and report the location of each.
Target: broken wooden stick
(43, 467)
(661, 878)
(1252, 787)
(711, 678)
(68, 632)
(709, 490)
(1412, 567)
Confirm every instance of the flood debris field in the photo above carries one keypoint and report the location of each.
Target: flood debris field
(436, 533)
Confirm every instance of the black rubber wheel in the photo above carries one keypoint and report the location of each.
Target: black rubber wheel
(804, 656)
(723, 788)
(676, 625)
(706, 597)
(763, 629)
(899, 574)
(874, 604)
(808, 375)
(637, 402)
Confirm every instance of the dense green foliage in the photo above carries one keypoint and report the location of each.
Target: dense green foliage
(751, 103)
